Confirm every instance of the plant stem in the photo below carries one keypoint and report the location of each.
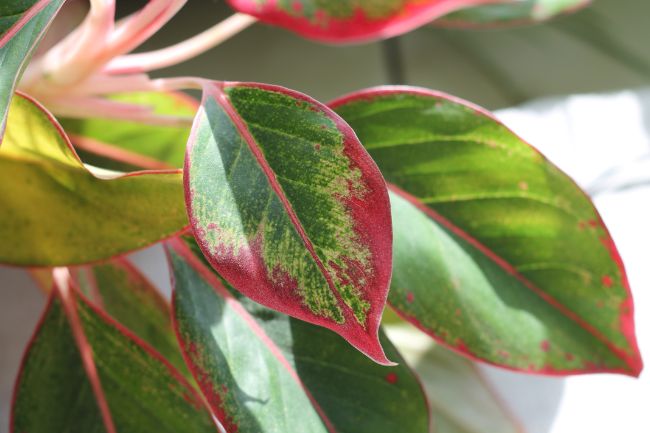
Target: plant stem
(182, 51)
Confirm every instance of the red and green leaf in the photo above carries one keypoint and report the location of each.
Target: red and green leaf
(22, 25)
(290, 209)
(57, 212)
(510, 13)
(83, 372)
(125, 145)
(497, 253)
(263, 371)
(350, 20)
(125, 294)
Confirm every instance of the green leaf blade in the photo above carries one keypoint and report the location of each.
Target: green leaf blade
(88, 218)
(518, 13)
(22, 25)
(127, 145)
(290, 209)
(524, 238)
(304, 375)
(55, 391)
(125, 294)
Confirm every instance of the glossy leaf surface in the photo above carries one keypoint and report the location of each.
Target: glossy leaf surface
(22, 25)
(498, 254)
(125, 145)
(350, 20)
(290, 209)
(56, 212)
(119, 289)
(510, 13)
(263, 371)
(461, 399)
(84, 373)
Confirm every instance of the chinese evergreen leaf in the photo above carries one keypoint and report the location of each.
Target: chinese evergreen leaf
(290, 209)
(263, 371)
(498, 254)
(52, 201)
(84, 373)
(22, 25)
(510, 13)
(350, 20)
(120, 290)
(461, 399)
(126, 145)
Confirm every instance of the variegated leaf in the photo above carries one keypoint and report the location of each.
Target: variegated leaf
(290, 209)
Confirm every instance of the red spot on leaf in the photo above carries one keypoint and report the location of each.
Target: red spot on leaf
(297, 6)
(569, 356)
(582, 225)
(317, 147)
(545, 345)
(523, 186)
(607, 281)
(460, 345)
(410, 297)
(391, 378)
(593, 223)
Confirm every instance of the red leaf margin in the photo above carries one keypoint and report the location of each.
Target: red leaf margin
(634, 361)
(69, 297)
(371, 230)
(358, 28)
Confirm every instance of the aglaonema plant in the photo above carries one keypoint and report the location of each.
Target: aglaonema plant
(283, 219)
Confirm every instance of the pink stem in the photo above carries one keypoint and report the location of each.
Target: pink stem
(137, 28)
(182, 51)
(85, 107)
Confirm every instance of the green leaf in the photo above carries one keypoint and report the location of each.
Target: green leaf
(290, 209)
(460, 397)
(84, 373)
(345, 21)
(22, 25)
(519, 12)
(497, 253)
(126, 145)
(262, 371)
(120, 289)
(56, 212)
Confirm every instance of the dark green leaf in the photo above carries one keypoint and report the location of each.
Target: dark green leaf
(263, 371)
(497, 253)
(83, 373)
(22, 25)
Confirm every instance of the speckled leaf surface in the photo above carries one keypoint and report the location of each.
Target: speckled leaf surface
(126, 145)
(305, 377)
(56, 212)
(290, 209)
(498, 254)
(22, 24)
(515, 13)
(350, 20)
(125, 294)
(461, 398)
(84, 373)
